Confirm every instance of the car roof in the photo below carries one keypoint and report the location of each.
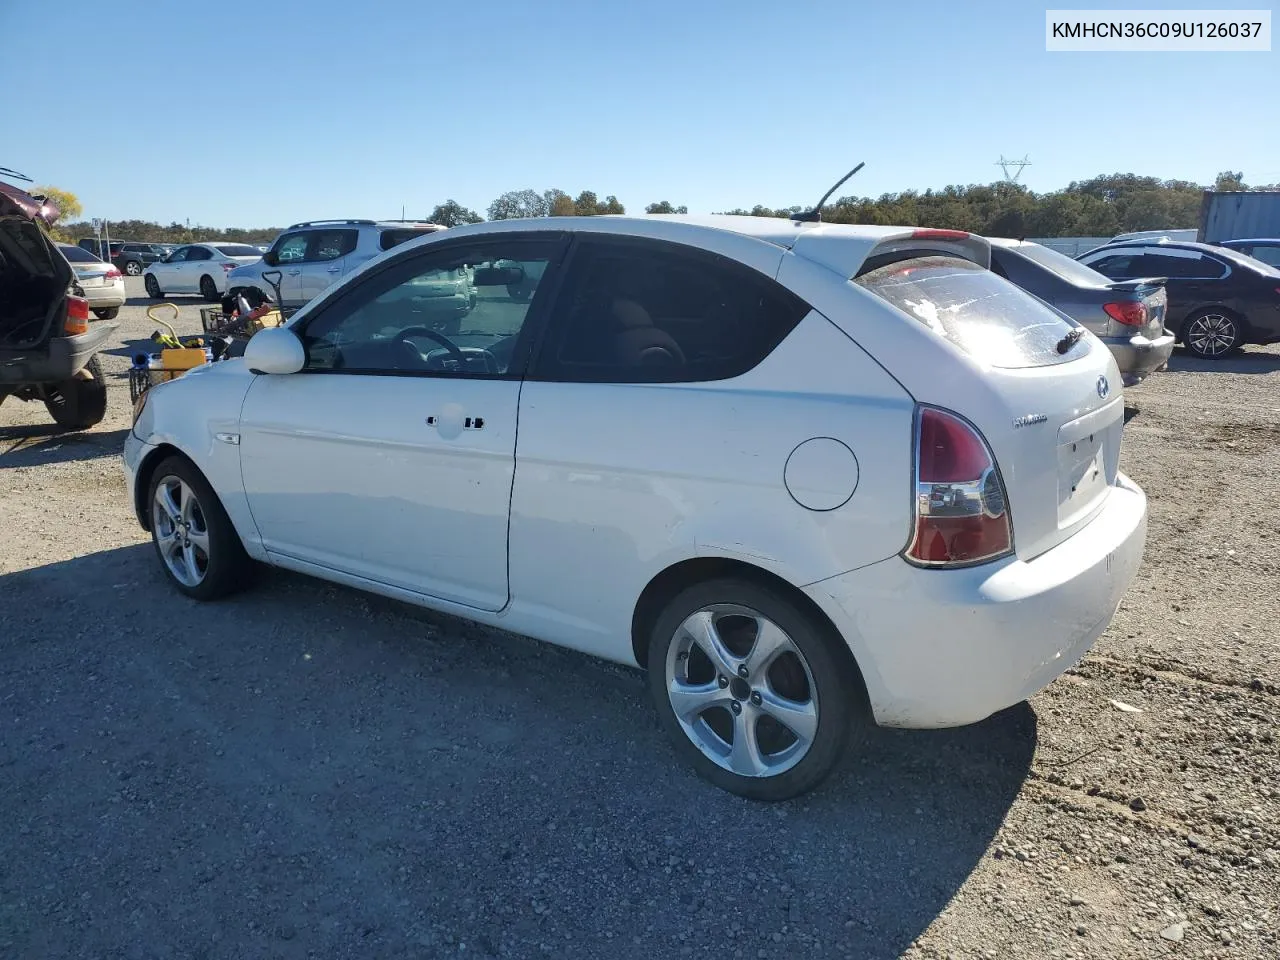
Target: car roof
(1252, 241)
(1159, 242)
(841, 247)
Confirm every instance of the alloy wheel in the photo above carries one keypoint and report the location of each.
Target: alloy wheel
(181, 530)
(133, 268)
(1211, 334)
(742, 691)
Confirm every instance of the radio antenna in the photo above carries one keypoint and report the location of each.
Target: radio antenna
(815, 215)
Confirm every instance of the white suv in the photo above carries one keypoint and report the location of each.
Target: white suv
(808, 474)
(310, 256)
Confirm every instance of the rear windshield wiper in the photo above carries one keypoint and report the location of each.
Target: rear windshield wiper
(1071, 339)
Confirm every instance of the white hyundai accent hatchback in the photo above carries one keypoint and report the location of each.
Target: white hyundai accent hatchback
(810, 476)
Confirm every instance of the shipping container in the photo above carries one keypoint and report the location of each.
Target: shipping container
(1239, 215)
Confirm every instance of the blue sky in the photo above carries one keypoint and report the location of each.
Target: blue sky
(252, 114)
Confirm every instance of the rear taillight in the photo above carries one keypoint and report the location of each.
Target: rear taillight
(1129, 312)
(77, 316)
(961, 516)
(113, 274)
(229, 266)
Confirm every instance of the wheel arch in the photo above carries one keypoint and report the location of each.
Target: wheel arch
(679, 576)
(142, 480)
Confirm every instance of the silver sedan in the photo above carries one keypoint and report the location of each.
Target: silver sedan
(103, 283)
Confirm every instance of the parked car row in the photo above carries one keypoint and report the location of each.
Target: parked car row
(128, 256)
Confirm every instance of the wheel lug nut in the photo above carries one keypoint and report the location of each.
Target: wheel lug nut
(723, 680)
(742, 671)
(736, 707)
(756, 699)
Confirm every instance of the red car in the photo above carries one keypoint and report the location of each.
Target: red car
(47, 348)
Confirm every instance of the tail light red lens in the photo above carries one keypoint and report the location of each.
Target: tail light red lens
(113, 274)
(229, 266)
(1130, 313)
(77, 316)
(961, 514)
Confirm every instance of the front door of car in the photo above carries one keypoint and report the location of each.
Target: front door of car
(390, 456)
(289, 251)
(169, 273)
(324, 262)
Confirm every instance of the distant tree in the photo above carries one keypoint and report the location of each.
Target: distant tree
(66, 202)
(587, 204)
(559, 203)
(453, 214)
(518, 203)
(664, 206)
(1229, 180)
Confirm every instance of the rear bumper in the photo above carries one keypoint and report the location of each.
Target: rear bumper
(61, 359)
(104, 298)
(943, 648)
(1138, 357)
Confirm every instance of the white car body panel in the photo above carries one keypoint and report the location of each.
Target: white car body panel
(432, 509)
(607, 485)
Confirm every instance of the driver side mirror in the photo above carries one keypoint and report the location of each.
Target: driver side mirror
(270, 258)
(275, 350)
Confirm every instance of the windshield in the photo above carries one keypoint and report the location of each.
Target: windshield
(77, 254)
(237, 250)
(987, 317)
(1073, 271)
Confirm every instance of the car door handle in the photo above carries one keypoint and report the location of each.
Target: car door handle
(470, 423)
(334, 270)
(294, 273)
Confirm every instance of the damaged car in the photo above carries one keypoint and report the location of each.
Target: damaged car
(48, 352)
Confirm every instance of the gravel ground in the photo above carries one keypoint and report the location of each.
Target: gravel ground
(310, 772)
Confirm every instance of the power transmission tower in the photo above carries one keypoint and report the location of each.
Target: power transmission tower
(1004, 165)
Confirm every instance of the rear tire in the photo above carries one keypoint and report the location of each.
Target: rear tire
(108, 314)
(79, 403)
(133, 268)
(153, 287)
(1213, 333)
(209, 290)
(190, 520)
(807, 679)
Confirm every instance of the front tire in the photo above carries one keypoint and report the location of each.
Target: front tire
(195, 541)
(80, 402)
(153, 287)
(110, 313)
(209, 290)
(753, 690)
(1212, 334)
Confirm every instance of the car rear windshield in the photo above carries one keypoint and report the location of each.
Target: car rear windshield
(237, 250)
(391, 238)
(1072, 271)
(995, 322)
(78, 254)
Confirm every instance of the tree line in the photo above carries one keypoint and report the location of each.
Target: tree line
(1099, 207)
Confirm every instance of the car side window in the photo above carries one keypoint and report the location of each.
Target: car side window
(330, 244)
(451, 311)
(1121, 266)
(655, 312)
(1268, 255)
(198, 253)
(292, 248)
(1029, 276)
(179, 255)
(1196, 267)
